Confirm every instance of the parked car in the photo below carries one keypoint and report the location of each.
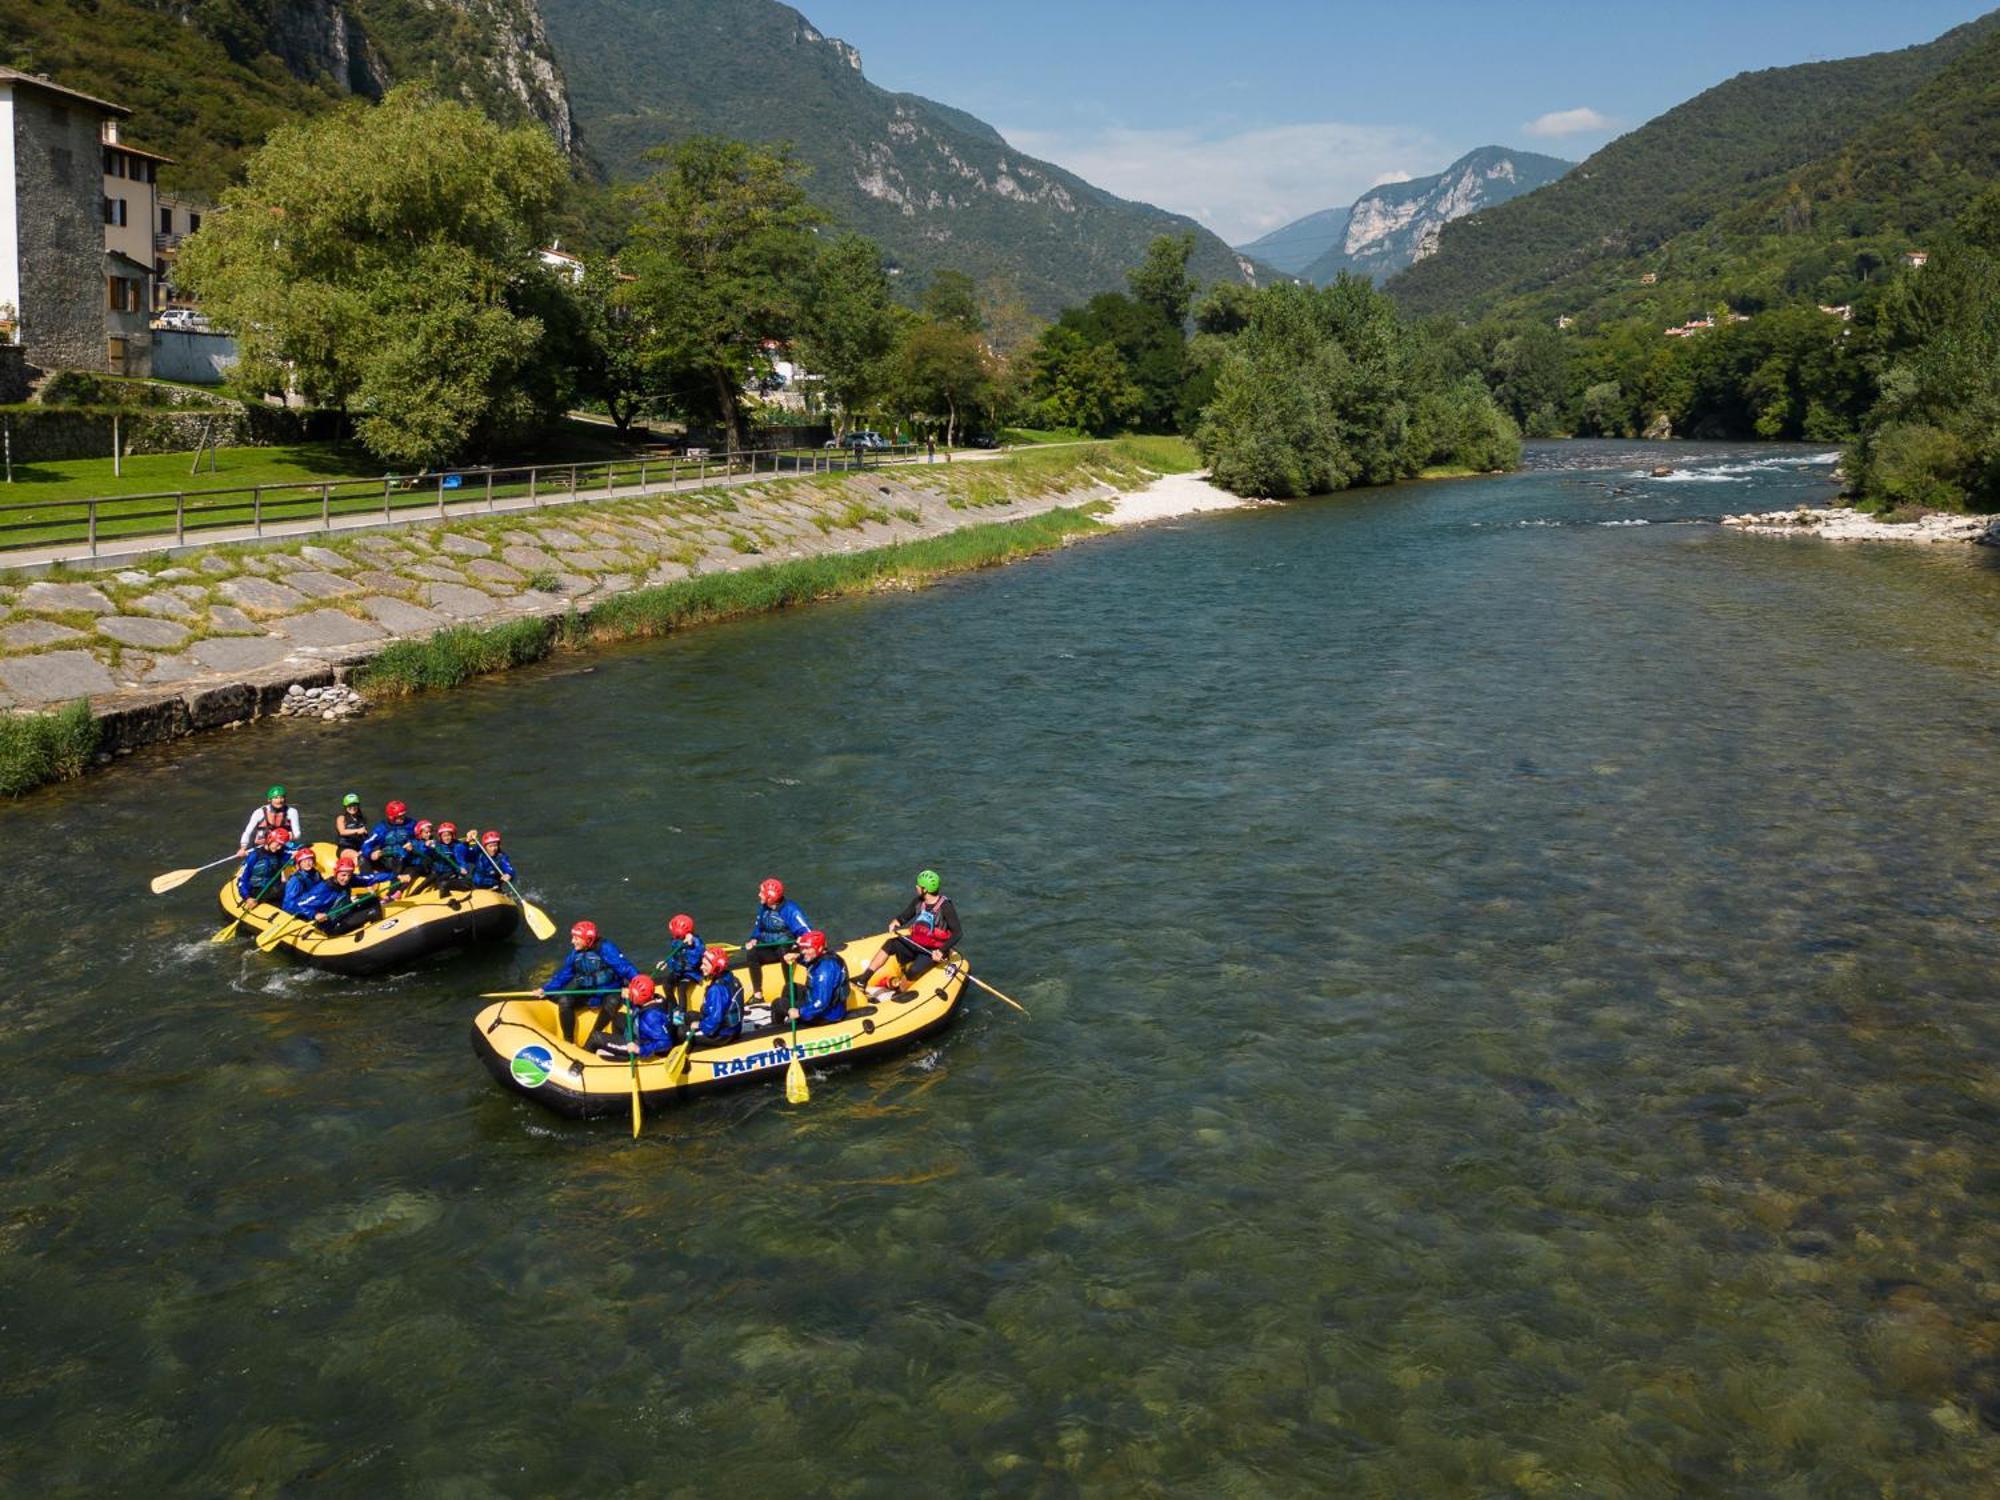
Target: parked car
(983, 440)
(862, 442)
(182, 319)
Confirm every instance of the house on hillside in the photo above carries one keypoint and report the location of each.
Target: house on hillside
(1916, 260)
(1650, 278)
(76, 227)
(562, 262)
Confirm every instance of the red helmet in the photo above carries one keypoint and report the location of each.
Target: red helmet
(276, 839)
(491, 839)
(641, 988)
(584, 932)
(447, 830)
(424, 829)
(347, 863)
(680, 925)
(395, 810)
(305, 855)
(771, 892)
(812, 944)
(713, 962)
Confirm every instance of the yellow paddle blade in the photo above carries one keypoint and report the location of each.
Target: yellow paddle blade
(228, 932)
(635, 1105)
(167, 882)
(511, 995)
(677, 1063)
(276, 933)
(538, 922)
(797, 1090)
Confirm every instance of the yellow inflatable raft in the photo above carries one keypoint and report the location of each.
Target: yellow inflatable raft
(520, 1042)
(413, 926)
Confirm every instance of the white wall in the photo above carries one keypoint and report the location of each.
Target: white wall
(198, 358)
(10, 215)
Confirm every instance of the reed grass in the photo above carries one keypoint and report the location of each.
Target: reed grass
(37, 748)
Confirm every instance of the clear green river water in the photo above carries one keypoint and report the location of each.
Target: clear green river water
(1513, 1013)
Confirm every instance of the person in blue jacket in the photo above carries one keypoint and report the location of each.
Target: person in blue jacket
(302, 890)
(592, 963)
(264, 871)
(774, 936)
(349, 899)
(652, 1022)
(824, 997)
(681, 968)
(486, 863)
(721, 1018)
(389, 842)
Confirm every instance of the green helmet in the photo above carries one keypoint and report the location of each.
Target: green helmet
(275, 793)
(352, 799)
(928, 882)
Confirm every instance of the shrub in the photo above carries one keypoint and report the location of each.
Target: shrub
(39, 748)
(1912, 464)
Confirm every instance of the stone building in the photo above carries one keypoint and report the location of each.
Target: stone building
(69, 203)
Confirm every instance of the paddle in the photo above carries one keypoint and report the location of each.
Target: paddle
(537, 919)
(174, 879)
(539, 994)
(797, 1091)
(277, 932)
(632, 1039)
(230, 931)
(995, 993)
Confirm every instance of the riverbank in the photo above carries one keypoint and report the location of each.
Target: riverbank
(220, 638)
(1842, 523)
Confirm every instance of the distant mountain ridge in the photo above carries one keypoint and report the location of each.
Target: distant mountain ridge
(1729, 152)
(1398, 223)
(933, 185)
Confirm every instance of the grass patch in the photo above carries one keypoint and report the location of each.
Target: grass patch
(459, 652)
(40, 748)
(1017, 437)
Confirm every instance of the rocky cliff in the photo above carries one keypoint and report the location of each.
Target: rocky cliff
(1398, 224)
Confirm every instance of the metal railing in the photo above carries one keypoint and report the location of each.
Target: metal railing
(306, 507)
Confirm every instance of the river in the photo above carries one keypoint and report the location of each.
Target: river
(1512, 1013)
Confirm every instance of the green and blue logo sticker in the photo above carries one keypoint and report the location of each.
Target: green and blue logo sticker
(531, 1066)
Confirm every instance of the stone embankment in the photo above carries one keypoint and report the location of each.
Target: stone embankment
(174, 645)
(1843, 524)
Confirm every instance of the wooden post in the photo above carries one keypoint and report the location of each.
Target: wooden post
(93, 525)
(572, 481)
(534, 473)
(326, 507)
(440, 494)
(489, 487)
(117, 454)
(257, 509)
(180, 518)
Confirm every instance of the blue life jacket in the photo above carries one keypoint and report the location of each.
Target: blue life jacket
(389, 840)
(479, 866)
(721, 1009)
(682, 965)
(301, 891)
(259, 871)
(654, 1030)
(782, 923)
(331, 894)
(825, 997)
(599, 967)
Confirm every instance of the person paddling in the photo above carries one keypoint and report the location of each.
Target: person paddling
(681, 968)
(774, 932)
(721, 1018)
(920, 936)
(824, 998)
(652, 1022)
(350, 825)
(348, 900)
(389, 840)
(274, 812)
(486, 862)
(303, 889)
(264, 869)
(592, 963)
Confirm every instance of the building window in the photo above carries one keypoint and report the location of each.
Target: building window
(166, 220)
(116, 351)
(194, 222)
(115, 212)
(124, 293)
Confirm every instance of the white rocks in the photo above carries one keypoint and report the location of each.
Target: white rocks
(1841, 523)
(327, 704)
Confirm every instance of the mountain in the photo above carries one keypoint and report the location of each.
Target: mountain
(933, 185)
(1300, 242)
(1397, 224)
(1738, 145)
(209, 81)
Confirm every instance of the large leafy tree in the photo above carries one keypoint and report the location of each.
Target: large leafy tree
(1080, 384)
(850, 324)
(721, 254)
(611, 363)
(942, 373)
(380, 258)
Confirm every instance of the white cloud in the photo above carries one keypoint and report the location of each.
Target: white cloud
(1241, 184)
(1561, 122)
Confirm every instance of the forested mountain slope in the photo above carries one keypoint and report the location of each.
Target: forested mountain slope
(935, 186)
(1724, 150)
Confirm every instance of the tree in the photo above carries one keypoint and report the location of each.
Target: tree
(953, 299)
(381, 259)
(720, 255)
(1083, 385)
(611, 360)
(1161, 281)
(849, 325)
(941, 371)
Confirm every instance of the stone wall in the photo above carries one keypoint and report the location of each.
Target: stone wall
(58, 171)
(13, 373)
(49, 434)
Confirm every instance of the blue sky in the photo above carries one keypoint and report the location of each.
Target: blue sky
(1249, 113)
